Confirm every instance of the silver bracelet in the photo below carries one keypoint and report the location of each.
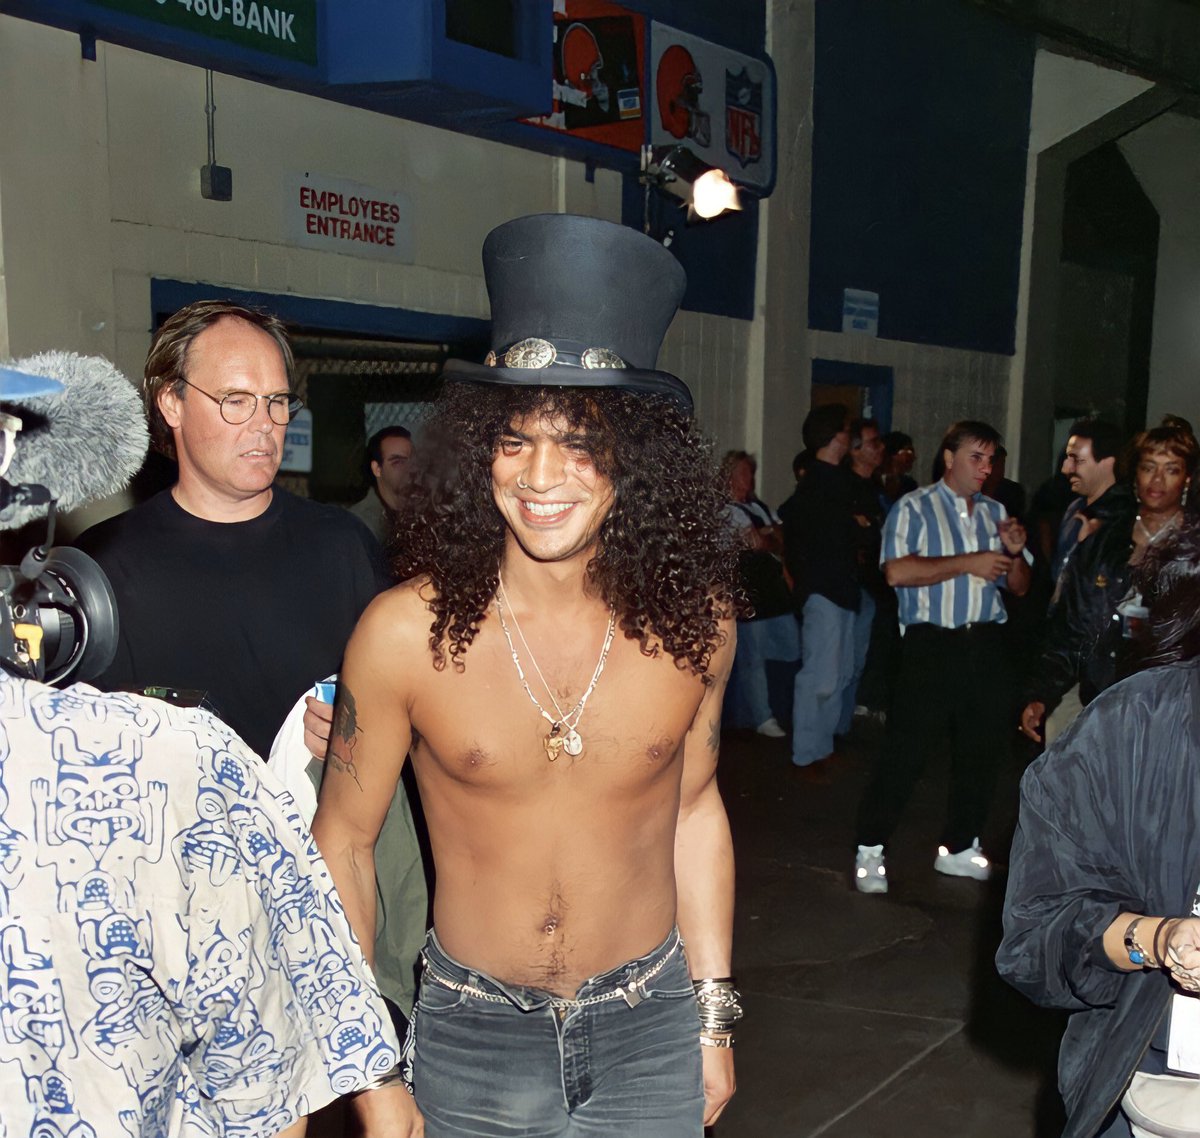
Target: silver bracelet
(718, 1004)
(389, 1078)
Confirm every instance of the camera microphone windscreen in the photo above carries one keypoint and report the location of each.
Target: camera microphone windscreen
(83, 444)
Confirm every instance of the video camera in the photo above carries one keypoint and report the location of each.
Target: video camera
(80, 435)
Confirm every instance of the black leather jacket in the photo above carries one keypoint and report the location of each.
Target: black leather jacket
(1082, 637)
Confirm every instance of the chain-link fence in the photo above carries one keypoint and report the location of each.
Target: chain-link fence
(353, 387)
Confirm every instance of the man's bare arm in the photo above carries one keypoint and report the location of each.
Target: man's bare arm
(1019, 577)
(915, 570)
(704, 866)
(367, 747)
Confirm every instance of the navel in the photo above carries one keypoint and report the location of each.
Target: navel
(556, 909)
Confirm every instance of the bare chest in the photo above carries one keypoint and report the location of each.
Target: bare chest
(488, 724)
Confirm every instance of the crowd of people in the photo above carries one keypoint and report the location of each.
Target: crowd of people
(898, 590)
(193, 941)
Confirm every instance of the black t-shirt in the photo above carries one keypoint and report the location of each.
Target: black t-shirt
(251, 613)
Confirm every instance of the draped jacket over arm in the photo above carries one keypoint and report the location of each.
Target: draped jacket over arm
(1110, 822)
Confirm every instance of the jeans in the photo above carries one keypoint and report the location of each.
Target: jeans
(827, 645)
(861, 640)
(772, 638)
(517, 1062)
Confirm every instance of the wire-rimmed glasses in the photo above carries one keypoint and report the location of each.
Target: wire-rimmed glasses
(238, 407)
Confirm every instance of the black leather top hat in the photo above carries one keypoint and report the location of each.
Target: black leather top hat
(577, 302)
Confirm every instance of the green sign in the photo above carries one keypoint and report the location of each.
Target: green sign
(287, 28)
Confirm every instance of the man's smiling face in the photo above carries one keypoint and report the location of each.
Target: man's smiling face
(546, 485)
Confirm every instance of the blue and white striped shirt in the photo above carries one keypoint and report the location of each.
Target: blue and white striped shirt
(935, 522)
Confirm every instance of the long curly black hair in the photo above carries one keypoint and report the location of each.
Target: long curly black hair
(665, 560)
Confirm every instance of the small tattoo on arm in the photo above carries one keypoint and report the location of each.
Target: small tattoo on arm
(344, 736)
(714, 735)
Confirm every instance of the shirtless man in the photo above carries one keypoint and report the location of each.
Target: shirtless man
(556, 663)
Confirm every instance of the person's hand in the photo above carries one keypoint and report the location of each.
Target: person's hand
(719, 1083)
(1013, 536)
(390, 1112)
(1031, 720)
(318, 723)
(754, 538)
(1087, 527)
(1181, 953)
(990, 564)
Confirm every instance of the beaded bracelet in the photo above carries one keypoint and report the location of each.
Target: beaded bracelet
(1160, 956)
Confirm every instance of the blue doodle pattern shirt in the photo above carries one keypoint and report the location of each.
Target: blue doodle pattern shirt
(173, 957)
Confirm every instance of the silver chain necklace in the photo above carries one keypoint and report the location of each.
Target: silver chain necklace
(1151, 538)
(564, 734)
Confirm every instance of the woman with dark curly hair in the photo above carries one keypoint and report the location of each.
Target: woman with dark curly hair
(555, 661)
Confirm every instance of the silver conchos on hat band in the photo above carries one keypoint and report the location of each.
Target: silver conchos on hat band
(531, 353)
(601, 358)
(490, 359)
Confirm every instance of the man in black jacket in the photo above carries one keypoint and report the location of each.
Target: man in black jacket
(1092, 580)
(821, 541)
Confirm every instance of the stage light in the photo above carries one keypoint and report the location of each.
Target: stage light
(706, 189)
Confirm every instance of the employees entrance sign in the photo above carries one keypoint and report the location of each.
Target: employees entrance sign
(283, 27)
(340, 216)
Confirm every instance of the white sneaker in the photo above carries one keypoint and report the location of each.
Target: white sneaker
(771, 729)
(870, 874)
(966, 863)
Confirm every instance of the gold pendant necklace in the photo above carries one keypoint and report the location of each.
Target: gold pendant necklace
(564, 734)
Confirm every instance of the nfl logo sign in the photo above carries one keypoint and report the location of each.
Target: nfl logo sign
(743, 117)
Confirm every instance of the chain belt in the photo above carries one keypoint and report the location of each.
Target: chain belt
(633, 993)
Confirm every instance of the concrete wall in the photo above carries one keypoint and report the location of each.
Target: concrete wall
(99, 179)
(1165, 156)
(1069, 96)
(933, 386)
(780, 348)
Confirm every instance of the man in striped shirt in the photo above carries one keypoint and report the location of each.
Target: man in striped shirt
(948, 550)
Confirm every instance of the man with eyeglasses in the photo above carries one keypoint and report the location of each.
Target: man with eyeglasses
(229, 587)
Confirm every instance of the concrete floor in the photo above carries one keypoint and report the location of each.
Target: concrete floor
(872, 1015)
